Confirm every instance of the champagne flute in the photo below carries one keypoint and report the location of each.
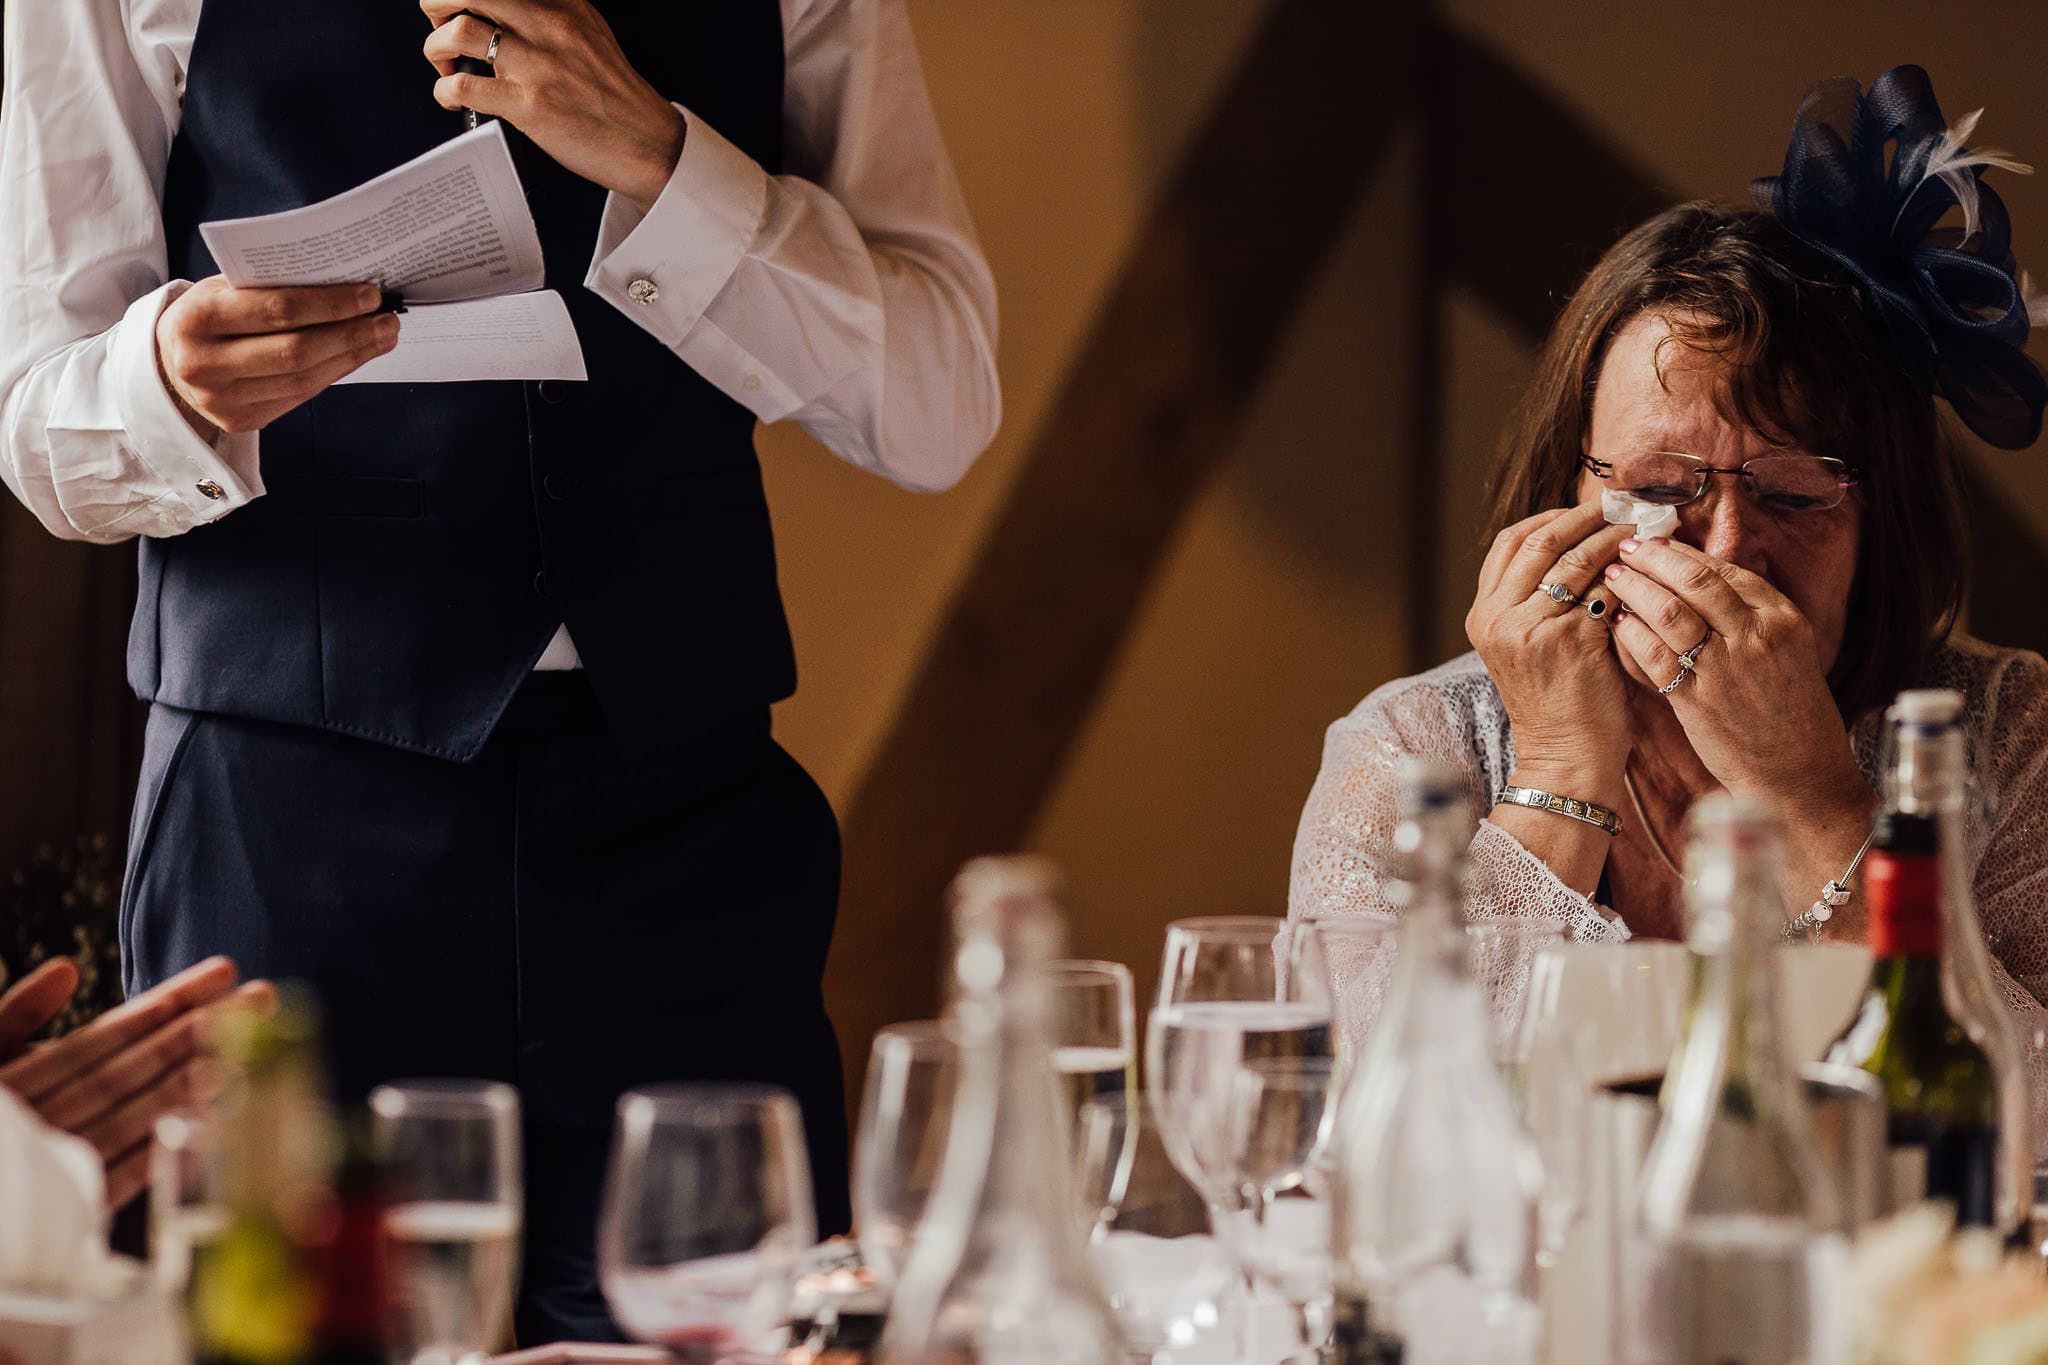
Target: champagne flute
(1094, 1041)
(450, 1150)
(1281, 1116)
(185, 1208)
(707, 1208)
(1166, 1276)
(904, 1119)
(1231, 991)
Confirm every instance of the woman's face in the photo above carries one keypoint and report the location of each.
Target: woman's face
(1810, 556)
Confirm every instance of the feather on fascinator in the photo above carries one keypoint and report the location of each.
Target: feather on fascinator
(1949, 298)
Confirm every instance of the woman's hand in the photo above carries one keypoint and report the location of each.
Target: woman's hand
(562, 80)
(113, 1079)
(1558, 677)
(1756, 706)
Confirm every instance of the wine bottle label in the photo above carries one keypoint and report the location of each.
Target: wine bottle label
(1904, 896)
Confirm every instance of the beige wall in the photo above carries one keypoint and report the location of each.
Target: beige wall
(1280, 602)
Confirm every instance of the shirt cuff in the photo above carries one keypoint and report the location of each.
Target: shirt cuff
(203, 480)
(662, 269)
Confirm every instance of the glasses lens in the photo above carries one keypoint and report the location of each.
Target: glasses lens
(1795, 483)
(1656, 476)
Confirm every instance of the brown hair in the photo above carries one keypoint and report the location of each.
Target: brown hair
(1807, 366)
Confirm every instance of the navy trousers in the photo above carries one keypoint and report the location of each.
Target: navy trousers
(557, 913)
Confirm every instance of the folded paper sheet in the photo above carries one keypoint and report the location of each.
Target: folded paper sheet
(450, 232)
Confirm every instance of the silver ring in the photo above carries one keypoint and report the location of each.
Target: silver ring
(1596, 607)
(491, 52)
(1684, 672)
(1691, 657)
(1558, 593)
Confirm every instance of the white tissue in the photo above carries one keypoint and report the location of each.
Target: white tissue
(52, 1209)
(1651, 518)
(1655, 519)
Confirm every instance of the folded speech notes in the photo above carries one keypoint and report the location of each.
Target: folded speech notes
(448, 231)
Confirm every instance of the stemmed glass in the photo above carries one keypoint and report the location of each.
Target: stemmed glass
(450, 1153)
(1282, 1112)
(904, 1119)
(1094, 1043)
(1231, 991)
(707, 1207)
(1166, 1275)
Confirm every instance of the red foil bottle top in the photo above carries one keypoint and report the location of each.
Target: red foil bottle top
(1903, 891)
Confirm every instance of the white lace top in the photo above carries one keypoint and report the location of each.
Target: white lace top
(1453, 712)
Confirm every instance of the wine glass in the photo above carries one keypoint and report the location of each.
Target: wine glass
(1231, 991)
(185, 1208)
(1166, 1276)
(1358, 953)
(1094, 1047)
(904, 1120)
(450, 1152)
(707, 1207)
(1503, 953)
(1281, 1116)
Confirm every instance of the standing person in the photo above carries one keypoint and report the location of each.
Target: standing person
(460, 692)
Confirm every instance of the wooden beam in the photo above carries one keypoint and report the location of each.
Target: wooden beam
(1152, 400)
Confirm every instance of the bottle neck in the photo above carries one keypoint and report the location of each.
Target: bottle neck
(1730, 1059)
(1431, 896)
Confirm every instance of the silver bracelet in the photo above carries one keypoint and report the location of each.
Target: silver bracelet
(1833, 897)
(1589, 812)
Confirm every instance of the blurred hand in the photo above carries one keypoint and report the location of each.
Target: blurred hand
(1553, 662)
(239, 359)
(562, 80)
(110, 1081)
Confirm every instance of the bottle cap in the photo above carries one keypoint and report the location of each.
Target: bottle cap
(1006, 912)
(1926, 706)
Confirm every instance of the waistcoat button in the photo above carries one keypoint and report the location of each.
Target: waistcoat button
(540, 584)
(558, 486)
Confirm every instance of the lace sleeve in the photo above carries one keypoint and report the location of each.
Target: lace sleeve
(2011, 883)
(1343, 846)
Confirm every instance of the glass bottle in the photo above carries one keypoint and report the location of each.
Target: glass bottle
(257, 1296)
(1926, 786)
(1735, 1212)
(1940, 1088)
(1434, 1183)
(998, 1272)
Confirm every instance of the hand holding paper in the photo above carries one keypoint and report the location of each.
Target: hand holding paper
(239, 359)
(451, 233)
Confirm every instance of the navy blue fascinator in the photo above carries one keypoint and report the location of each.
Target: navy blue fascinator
(1868, 180)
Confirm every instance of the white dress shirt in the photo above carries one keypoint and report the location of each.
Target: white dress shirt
(848, 293)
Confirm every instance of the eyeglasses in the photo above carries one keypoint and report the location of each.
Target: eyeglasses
(1777, 483)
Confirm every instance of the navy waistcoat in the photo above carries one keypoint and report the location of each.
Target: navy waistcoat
(419, 544)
